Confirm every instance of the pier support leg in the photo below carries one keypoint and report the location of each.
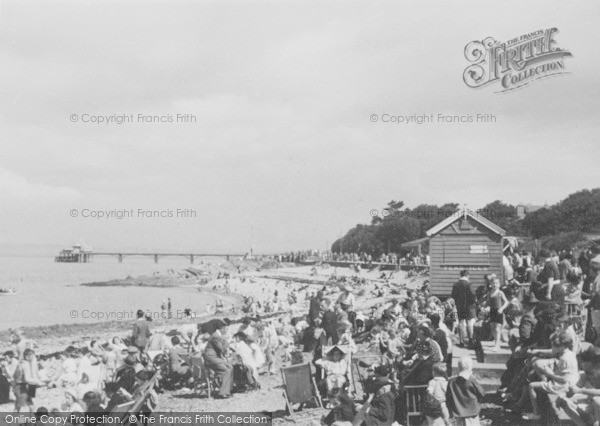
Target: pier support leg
(156, 258)
(192, 259)
(120, 258)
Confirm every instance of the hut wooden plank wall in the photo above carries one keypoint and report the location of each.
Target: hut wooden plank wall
(464, 240)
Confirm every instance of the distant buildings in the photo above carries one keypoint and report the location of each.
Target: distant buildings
(524, 209)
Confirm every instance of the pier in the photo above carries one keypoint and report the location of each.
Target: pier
(156, 256)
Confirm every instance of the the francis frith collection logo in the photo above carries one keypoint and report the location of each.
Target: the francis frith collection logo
(515, 63)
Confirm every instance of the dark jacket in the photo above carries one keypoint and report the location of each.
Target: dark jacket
(382, 410)
(463, 294)
(330, 325)
(440, 337)
(526, 327)
(141, 333)
(463, 396)
(217, 346)
(345, 412)
(314, 311)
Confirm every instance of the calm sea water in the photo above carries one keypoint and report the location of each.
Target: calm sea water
(49, 293)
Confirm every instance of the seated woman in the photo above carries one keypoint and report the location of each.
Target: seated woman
(125, 376)
(343, 408)
(335, 367)
(71, 405)
(69, 367)
(178, 370)
(246, 358)
(49, 372)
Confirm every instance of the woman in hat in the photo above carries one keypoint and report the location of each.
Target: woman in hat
(383, 408)
(336, 368)
(241, 347)
(344, 410)
(71, 405)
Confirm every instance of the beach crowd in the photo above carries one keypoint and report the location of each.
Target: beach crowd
(546, 310)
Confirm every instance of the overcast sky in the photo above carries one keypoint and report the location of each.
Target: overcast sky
(283, 154)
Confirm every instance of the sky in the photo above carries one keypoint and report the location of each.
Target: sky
(283, 154)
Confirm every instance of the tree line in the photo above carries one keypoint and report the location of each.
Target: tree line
(558, 226)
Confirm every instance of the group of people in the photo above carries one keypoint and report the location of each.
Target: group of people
(94, 378)
(414, 337)
(409, 258)
(555, 346)
(540, 311)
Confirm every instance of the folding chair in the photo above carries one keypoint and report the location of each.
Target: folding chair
(299, 386)
(414, 400)
(361, 371)
(579, 315)
(200, 374)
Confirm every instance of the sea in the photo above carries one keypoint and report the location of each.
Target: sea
(50, 293)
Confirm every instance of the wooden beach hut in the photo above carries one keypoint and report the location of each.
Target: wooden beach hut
(464, 240)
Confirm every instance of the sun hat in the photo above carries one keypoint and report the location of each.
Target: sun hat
(336, 348)
(72, 393)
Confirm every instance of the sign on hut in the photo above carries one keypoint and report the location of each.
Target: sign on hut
(465, 240)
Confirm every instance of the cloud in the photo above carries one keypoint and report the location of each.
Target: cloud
(18, 187)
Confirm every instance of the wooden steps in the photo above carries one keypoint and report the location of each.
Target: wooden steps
(488, 373)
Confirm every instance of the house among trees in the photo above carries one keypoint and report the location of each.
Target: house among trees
(465, 240)
(524, 209)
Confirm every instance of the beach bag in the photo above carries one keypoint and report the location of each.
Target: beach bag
(431, 406)
(479, 353)
(241, 376)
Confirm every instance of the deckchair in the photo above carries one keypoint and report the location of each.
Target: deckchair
(200, 373)
(156, 344)
(299, 386)
(362, 372)
(414, 401)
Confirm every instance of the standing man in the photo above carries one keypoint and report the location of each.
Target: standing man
(550, 274)
(346, 301)
(141, 332)
(329, 322)
(464, 296)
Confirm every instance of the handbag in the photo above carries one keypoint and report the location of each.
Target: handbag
(431, 406)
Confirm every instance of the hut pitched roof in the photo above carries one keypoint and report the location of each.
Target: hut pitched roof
(463, 213)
